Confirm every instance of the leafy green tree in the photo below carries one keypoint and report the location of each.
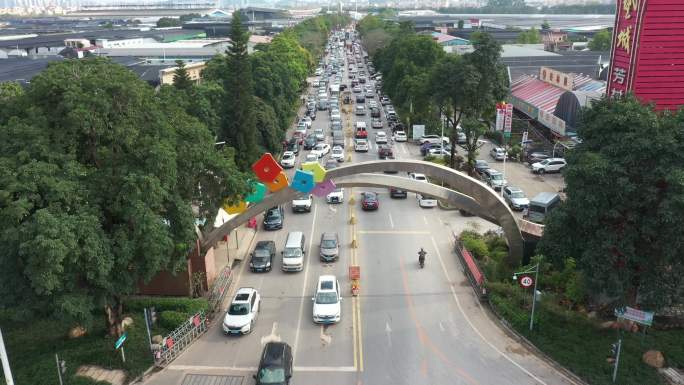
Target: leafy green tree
(181, 78)
(545, 25)
(166, 22)
(97, 175)
(601, 41)
(622, 219)
(531, 36)
(238, 128)
(460, 24)
(9, 92)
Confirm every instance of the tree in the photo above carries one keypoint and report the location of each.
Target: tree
(181, 78)
(545, 25)
(601, 41)
(166, 22)
(622, 219)
(460, 24)
(189, 16)
(530, 36)
(238, 128)
(98, 174)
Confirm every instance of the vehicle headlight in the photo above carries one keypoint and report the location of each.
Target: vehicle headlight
(251, 264)
(268, 264)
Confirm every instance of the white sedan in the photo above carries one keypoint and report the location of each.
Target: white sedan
(400, 136)
(337, 153)
(336, 196)
(426, 201)
(307, 121)
(321, 149)
(380, 137)
(288, 159)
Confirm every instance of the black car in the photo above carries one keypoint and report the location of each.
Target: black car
(262, 256)
(480, 166)
(293, 145)
(425, 148)
(360, 98)
(274, 217)
(398, 193)
(275, 367)
(375, 112)
(310, 142)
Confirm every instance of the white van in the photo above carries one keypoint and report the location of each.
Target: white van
(293, 254)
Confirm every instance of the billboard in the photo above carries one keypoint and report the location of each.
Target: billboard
(647, 54)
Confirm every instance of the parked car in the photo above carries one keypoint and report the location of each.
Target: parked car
(261, 258)
(275, 366)
(293, 146)
(400, 136)
(549, 165)
(516, 198)
(242, 312)
(494, 179)
(288, 159)
(306, 120)
(433, 139)
(330, 247)
(302, 203)
(337, 153)
(498, 153)
(336, 196)
(418, 177)
(274, 217)
(397, 193)
(480, 166)
(369, 201)
(427, 146)
(537, 156)
(327, 307)
(311, 158)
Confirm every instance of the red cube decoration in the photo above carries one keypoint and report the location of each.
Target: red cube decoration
(267, 168)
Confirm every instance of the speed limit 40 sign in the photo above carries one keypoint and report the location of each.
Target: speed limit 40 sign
(526, 281)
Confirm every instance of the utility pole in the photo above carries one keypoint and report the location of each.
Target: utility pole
(5, 362)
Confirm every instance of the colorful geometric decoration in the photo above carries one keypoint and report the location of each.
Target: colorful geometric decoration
(303, 181)
(267, 168)
(235, 208)
(258, 194)
(279, 183)
(315, 168)
(324, 188)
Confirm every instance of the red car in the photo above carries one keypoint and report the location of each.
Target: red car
(361, 134)
(369, 201)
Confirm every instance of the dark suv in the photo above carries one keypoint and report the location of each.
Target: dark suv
(275, 367)
(274, 217)
(262, 256)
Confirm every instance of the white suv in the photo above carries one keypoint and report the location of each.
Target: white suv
(549, 165)
(242, 312)
(498, 153)
(433, 139)
(326, 304)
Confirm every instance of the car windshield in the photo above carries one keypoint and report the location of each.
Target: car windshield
(545, 162)
(273, 214)
(497, 176)
(326, 298)
(537, 209)
(271, 376)
(238, 309)
(261, 254)
(337, 151)
(517, 194)
(292, 253)
(329, 244)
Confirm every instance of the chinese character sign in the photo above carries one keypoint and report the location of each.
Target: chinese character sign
(622, 58)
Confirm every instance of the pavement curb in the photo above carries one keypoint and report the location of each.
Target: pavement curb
(503, 324)
(143, 376)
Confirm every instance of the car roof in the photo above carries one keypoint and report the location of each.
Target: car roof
(264, 244)
(329, 235)
(273, 353)
(243, 294)
(288, 153)
(323, 280)
(492, 171)
(514, 189)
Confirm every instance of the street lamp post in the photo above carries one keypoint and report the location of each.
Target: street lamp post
(534, 269)
(553, 153)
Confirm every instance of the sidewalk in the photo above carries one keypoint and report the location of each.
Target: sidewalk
(237, 247)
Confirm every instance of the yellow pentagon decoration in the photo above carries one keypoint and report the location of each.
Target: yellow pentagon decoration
(316, 169)
(236, 208)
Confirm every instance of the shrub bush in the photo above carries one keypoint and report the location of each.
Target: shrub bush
(188, 306)
(475, 244)
(494, 136)
(170, 319)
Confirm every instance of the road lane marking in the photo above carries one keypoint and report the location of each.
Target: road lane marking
(400, 232)
(325, 338)
(360, 333)
(352, 261)
(458, 303)
(306, 278)
(273, 337)
(425, 220)
(390, 220)
(388, 331)
(324, 369)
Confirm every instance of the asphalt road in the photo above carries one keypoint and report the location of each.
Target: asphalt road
(408, 326)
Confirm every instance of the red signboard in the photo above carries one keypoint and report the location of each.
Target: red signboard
(647, 55)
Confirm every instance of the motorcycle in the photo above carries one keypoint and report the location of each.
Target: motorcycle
(421, 259)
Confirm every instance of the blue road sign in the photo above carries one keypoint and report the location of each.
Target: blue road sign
(120, 341)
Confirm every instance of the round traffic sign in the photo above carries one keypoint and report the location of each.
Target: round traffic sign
(526, 281)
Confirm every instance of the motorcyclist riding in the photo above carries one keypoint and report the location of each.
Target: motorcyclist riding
(421, 256)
